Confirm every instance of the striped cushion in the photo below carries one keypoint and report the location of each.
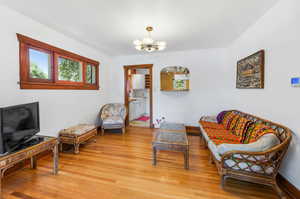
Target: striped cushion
(255, 131)
(227, 119)
(233, 122)
(212, 125)
(241, 126)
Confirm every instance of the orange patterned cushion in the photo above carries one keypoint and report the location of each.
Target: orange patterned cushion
(233, 122)
(211, 125)
(222, 135)
(224, 141)
(227, 119)
(255, 131)
(241, 126)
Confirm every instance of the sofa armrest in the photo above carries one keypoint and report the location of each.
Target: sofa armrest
(254, 158)
(209, 118)
(264, 143)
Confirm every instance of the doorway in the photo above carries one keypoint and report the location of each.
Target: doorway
(138, 95)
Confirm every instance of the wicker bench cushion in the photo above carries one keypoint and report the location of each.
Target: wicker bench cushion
(77, 130)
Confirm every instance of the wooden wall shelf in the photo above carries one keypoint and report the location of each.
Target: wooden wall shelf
(174, 78)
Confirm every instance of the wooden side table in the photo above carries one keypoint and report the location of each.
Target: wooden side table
(48, 143)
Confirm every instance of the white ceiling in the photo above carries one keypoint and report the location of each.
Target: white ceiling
(112, 25)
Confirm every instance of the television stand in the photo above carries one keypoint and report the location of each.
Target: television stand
(38, 145)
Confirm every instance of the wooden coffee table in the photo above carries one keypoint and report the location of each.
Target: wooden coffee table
(171, 137)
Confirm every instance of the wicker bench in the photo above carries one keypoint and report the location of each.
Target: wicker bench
(77, 135)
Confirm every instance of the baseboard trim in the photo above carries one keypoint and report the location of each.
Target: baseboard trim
(194, 130)
(288, 187)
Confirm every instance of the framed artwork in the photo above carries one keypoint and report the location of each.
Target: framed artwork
(250, 71)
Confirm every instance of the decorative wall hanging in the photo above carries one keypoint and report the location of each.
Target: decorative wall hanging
(250, 71)
(175, 78)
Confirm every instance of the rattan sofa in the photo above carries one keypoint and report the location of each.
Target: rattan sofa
(257, 167)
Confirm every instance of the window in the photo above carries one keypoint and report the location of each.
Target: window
(91, 74)
(43, 66)
(69, 70)
(179, 84)
(40, 64)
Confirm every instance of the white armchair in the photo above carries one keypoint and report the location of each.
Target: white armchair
(113, 117)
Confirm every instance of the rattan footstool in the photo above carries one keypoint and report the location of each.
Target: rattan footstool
(77, 135)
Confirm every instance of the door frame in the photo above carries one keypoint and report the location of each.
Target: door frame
(126, 101)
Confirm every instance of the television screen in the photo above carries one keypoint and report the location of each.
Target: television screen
(18, 124)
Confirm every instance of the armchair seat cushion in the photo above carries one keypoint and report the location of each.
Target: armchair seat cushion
(113, 120)
(113, 116)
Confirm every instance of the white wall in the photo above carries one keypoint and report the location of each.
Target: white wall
(213, 78)
(213, 75)
(278, 33)
(206, 84)
(58, 109)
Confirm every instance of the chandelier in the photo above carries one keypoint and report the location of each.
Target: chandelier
(148, 44)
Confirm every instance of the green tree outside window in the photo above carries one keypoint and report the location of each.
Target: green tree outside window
(70, 70)
(36, 72)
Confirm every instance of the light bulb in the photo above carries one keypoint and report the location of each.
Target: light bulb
(138, 47)
(161, 47)
(148, 40)
(137, 42)
(161, 43)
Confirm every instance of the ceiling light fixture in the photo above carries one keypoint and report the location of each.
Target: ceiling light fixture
(148, 44)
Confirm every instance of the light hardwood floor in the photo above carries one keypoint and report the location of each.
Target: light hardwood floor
(119, 167)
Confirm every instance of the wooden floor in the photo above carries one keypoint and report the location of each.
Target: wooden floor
(119, 167)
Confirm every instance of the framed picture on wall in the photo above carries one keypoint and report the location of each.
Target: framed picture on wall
(250, 71)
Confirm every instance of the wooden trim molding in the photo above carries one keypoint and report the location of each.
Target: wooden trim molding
(33, 42)
(288, 187)
(150, 84)
(26, 82)
(56, 86)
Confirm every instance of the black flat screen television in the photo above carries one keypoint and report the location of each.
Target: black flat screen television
(17, 125)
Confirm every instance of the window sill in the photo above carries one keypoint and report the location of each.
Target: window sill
(56, 86)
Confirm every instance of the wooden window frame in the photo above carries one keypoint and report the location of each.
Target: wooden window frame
(26, 82)
(96, 72)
